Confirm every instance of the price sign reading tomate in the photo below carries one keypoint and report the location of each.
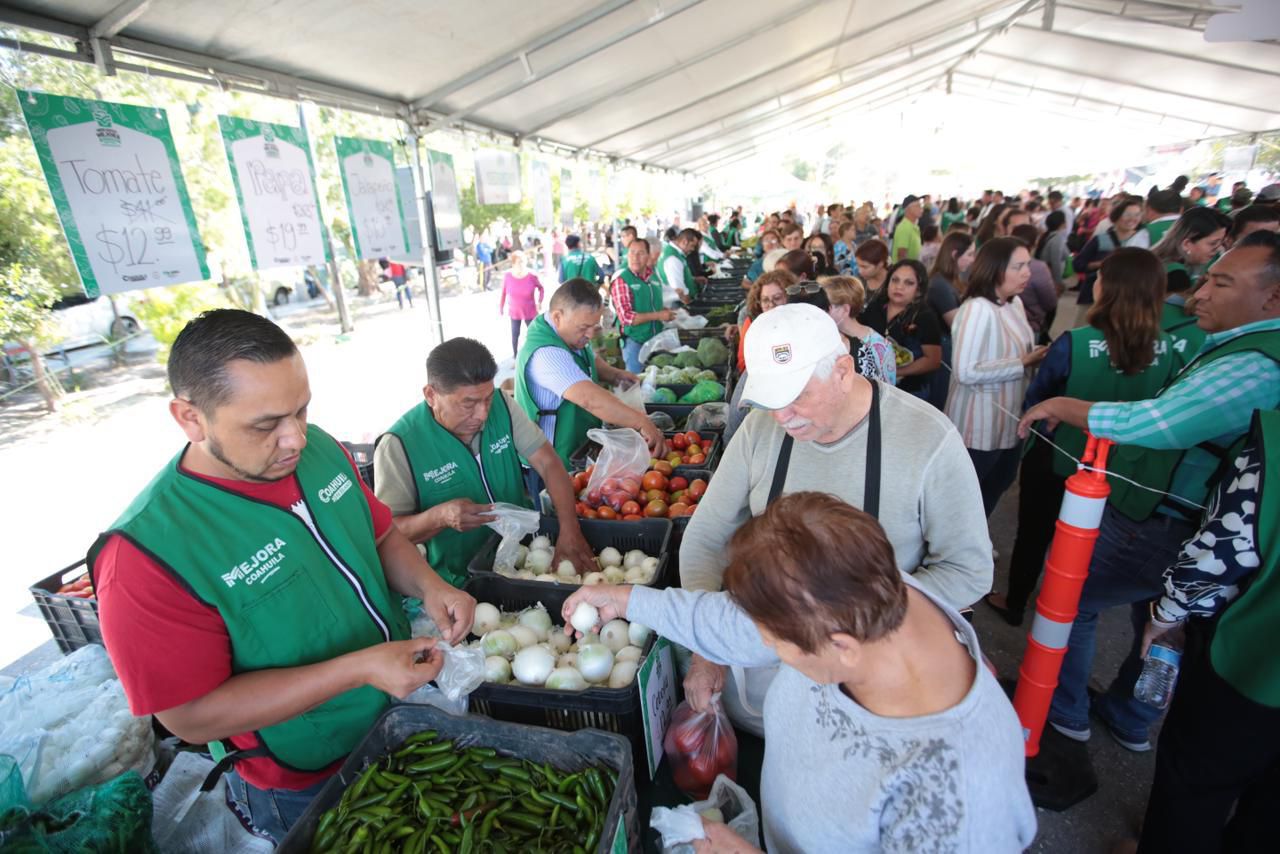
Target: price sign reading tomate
(275, 185)
(113, 172)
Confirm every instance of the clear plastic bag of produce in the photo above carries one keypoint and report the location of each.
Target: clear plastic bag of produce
(701, 747)
(632, 394)
(69, 725)
(708, 416)
(667, 340)
(623, 454)
(685, 320)
(462, 673)
(727, 804)
(514, 523)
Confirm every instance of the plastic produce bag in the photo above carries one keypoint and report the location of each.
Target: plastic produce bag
(187, 821)
(648, 384)
(667, 339)
(463, 672)
(682, 825)
(685, 320)
(701, 747)
(705, 391)
(708, 416)
(623, 453)
(632, 394)
(514, 524)
(69, 726)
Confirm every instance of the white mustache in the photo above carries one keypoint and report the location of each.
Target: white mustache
(796, 424)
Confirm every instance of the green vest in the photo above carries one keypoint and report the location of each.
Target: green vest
(293, 588)
(622, 257)
(1157, 230)
(1243, 646)
(1155, 468)
(1187, 336)
(571, 421)
(579, 265)
(646, 297)
(444, 469)
(688, 285)
(1092, 377)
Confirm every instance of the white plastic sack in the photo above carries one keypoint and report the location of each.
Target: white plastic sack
(184, 821)
(649, 383)
(514, 524)
(683, 825)
(668, 340)
(631, 394)
(685, 320)
(463, 672)
(623, 453)
(69, 726)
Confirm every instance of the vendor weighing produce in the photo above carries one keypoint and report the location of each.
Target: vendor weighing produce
(250, 596)
(557, 370)
(449, 458)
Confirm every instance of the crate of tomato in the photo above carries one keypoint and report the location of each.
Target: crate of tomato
(685, 449)
(69, 605)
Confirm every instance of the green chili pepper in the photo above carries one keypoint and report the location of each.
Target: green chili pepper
(515, 774)
(419, 738)
(440, 844)
(435, 763)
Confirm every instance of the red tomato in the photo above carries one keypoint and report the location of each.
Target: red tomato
(654, 480)
(631, 486)
(617, 499)
(579, 481)
(606, 512)
(693, 437)
(656, 509)
(631, 508)
(610, 485)
(679, 441)
(594, 497)
(581, 507)
(697, 459)
(588, 513)
(633, 517)
(697, 489)
(677, 510)
(678, 483)
(663, 467)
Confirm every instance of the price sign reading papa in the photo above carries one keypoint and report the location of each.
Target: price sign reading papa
(275, 185)
(373, 197)
(113, 172)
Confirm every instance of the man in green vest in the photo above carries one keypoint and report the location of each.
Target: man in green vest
(1221, 741)
(578, 264)
(445, 462)
(557, 371)
(673, 269)
(1189, 429)
(627, 236)
(250, 596)
(637, 302)
(1162, 211)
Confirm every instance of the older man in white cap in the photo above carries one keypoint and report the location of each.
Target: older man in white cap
(821, 426)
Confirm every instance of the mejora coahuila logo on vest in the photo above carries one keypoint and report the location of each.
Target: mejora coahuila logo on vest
(261, 566)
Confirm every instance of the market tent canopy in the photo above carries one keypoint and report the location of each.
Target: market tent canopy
(688, 84)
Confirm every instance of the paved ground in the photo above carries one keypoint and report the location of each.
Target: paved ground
(68, 475)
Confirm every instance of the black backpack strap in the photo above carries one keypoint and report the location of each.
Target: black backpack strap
(226, 762)
(780, 468)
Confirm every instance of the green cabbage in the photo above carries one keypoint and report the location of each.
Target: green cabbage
(663, 395)
(712, 351)
(690, 359)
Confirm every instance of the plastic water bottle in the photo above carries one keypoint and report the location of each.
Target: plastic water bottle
(1159, 674)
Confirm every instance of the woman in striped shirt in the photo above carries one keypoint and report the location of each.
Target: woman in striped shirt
(993, 352)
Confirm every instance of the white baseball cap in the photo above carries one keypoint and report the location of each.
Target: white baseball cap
(782, 348)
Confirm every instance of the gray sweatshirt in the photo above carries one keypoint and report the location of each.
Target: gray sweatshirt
(837, 777)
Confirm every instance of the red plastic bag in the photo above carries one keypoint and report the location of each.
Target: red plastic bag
(701, 746)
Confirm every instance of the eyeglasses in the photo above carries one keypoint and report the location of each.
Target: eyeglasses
(803, 288)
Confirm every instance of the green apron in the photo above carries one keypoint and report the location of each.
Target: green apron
(571, 421)
(646, 297)
(689, 286)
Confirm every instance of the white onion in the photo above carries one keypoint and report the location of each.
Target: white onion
(497, 669)
(566, 568)
(633, 558)
(537, 619)
(522, 552)
(538, 561)
(609, 556)
(523, 636)
(498, 642)
(559, 641)
(549, 577)
(487, 618)
(585, 617)
(614, 575)
(638, 633)
(569, 659)
(637, 575)
(595, 661)
(566, 679)
(650, 565)
(542, 542)
(614, 634)
(593, 578)
(623, 674)
(627, 653)
(526, 574)
(533, 665)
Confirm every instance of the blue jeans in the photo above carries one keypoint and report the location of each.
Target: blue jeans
(631, 355)
(272, 811)
(1128, 567)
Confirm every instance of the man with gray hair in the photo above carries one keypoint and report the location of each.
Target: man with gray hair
(822, 426)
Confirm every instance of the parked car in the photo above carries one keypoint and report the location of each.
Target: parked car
(85, 321)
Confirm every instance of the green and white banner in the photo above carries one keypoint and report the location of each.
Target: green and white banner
(113, 172)
(373, 199)
(497, 177)
(444, 200)
(413, 253)
(275, 184)
(567, 198)
(540, 186)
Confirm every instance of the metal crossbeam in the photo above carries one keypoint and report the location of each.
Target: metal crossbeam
(1187, 57)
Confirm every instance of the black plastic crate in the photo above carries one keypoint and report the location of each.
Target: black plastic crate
(680, 523)
(651, 536)
(564, 751)
(72, 620)
(615, 710)
(363, 455)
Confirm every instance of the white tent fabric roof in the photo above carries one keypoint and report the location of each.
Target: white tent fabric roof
(691, 84)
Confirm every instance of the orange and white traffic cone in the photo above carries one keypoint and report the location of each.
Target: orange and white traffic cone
(1065, 571)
